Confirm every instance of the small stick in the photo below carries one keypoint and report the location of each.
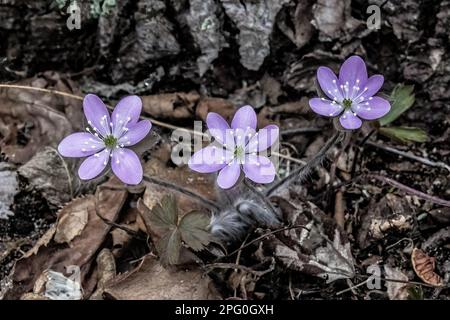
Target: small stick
(410, 156)
(182, 190)
(302, 172)
(264, 236)
(289, 132)
(154, 121)
(410, 190)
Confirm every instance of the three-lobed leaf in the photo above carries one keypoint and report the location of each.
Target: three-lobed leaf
(402, 98)
(192, 229)
(405, 134)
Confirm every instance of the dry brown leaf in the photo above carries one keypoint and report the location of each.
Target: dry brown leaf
(151, 281)
(48, 172)
(178, 105)
(396, 290)
(106, 267)
(108, 201)
(71, 225)
(43, 116)
(424, 266)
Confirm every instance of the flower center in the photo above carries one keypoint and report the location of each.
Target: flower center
(110, 141)
(347, 103)
(238, 152)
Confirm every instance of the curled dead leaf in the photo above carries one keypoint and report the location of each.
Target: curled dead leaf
(424, 266)
(71, 225)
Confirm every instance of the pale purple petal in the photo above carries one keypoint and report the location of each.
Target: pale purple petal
(94, 165)
(265, 138)
(229, 175)
(353, 72)
(217, 127)
(80, 144)
(350, 121)
(126, 113)
(209, 159)
(242, 137)
(244, 118)
(136, 133)
(259, 169)
(126, 166)
(325, 107)
(97, 114)
(370, 88)
(329, 83)
(373, 108)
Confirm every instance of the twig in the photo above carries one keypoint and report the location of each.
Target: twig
(154, 121)
(302, 172)
(221, 265)
(339, 214)
(410, 156)
(182, 190)
(264, 236)
(410, 190)
(119, 226)
(288, 132)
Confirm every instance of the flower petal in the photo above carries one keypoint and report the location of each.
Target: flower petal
(217, 126)
(373, 108)
(353, 72)
(259, 169)
(329, 83)
(97, 114)
(229, 175)
(265, 138)
(126, 166)
(126, 113)
(80, 144)
(242, 137)
(244, 118)
(136, 133)
(94, 165)
(350, 121)
(325, 107)
(209, 159)
(372, 86)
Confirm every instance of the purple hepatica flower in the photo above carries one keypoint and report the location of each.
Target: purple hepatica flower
(352, 95)
(108, 138)
(235, 147)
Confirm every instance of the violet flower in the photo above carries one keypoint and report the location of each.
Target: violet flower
(352, 95)
(236, 147)
(109, 138)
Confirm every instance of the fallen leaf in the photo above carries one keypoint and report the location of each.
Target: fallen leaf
(320, 249)
(151, 281)
(49, 173)
(71, 225)
(424, 267)
(8, 189)
(396, 290)
(107, 202)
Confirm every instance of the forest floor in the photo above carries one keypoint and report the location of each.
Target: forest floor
(379, 205)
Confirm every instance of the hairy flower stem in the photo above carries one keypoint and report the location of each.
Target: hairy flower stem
(262, 197)
(299, 174)
(210, 204)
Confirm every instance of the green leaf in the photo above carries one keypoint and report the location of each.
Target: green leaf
(402, 98)
(169, 247)
(194, 230)
(405, 134)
